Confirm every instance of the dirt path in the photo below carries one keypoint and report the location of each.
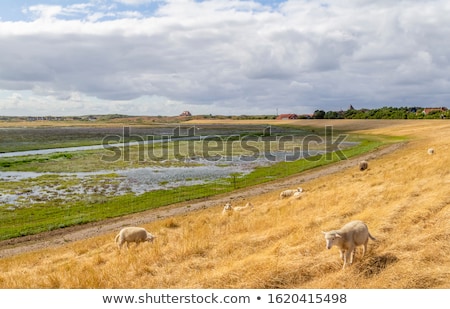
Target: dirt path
(63, 236)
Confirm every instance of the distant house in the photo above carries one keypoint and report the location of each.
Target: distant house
(428, 110)
(186, 114)
(287, 116)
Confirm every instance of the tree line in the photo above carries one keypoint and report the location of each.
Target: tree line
(383, 113)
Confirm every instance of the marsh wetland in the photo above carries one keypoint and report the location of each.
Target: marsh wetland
(123, 170)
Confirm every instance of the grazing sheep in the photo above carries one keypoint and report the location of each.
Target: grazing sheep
(430, 151)
(133, 234)
(240, 208)
(351, 235)
(363, 165)
(290, 192)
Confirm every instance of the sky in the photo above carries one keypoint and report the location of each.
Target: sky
(221, 57)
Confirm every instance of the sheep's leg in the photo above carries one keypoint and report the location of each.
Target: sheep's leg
(341, 253)
(353, 255)
(347, 258)
(365, 247)
(349, 255)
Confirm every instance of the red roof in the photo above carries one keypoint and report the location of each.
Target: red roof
(427, 110)
(287, 116)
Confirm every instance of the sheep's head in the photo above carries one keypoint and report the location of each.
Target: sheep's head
(332, 238)
(150, 237)
(227, 208)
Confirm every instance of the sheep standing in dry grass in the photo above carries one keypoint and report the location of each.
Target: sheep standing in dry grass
(350, 236)
(430, 151)
(363, 165)
(133, 234)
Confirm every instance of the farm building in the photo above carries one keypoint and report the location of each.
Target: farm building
(287, 116)
(186, 113)
(428, 110)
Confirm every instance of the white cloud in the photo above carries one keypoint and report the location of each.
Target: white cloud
(45, 12)
(234, 57)
(135, 2)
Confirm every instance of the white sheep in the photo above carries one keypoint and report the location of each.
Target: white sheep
(363, 165)
(289, 192)
(227, 208)
(430, 151)
(297, 194)
(133, 234)
(351, 235)
(241, 208)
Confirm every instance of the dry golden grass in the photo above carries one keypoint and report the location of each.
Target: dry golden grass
(403, 196)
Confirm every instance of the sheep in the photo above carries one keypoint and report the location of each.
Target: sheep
(227, 208)
(290, 192)
(351, 235)
(240, 208)
(297, 194)
(363, 165)
(133, 234)
(430, 151)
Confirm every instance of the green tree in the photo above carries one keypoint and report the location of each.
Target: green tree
(319, 114)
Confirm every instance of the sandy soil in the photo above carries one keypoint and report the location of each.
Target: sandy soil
(63, 236)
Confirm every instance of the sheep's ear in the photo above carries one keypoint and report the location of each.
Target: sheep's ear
(338, 236)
